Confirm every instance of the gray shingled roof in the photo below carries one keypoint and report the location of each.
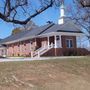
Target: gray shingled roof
(25, 34)
(66, 27)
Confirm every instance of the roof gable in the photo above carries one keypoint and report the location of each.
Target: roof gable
(66, 27)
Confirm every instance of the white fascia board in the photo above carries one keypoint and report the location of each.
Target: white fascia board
(46, 35)
(70, 34)
(62, 33)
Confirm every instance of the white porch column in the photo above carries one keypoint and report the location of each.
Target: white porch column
(60, 41)
(48, 41)
(55, 41)
(80, 42)
(31, 54)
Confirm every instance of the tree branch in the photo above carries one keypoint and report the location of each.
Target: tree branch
(6, 17)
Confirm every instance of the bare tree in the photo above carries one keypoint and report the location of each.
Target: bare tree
(81, 14)
(22, 11)
(84, 3)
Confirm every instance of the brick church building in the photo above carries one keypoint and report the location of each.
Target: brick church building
(48, 40)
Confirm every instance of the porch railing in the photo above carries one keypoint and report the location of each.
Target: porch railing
(41, 50)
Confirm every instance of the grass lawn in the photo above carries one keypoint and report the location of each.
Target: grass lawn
(65, 74)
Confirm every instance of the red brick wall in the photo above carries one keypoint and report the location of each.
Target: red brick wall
(19, 49)
(54, 52)
(67, 52)
(23, 48)
(68, 37)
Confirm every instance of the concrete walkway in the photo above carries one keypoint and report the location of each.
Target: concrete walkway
(41, 58)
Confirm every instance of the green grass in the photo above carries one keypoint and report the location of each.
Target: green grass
(67, 74)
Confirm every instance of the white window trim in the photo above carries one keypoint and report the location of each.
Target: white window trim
(69, 43)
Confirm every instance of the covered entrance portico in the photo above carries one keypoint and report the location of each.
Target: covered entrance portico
(56, 39)
(52, 39)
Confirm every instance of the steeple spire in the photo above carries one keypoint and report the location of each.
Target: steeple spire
(62, 14)
(62, 10)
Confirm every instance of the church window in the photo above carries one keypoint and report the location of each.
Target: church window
(69, 43)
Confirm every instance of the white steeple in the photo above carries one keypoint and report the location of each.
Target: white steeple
(62, 14)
